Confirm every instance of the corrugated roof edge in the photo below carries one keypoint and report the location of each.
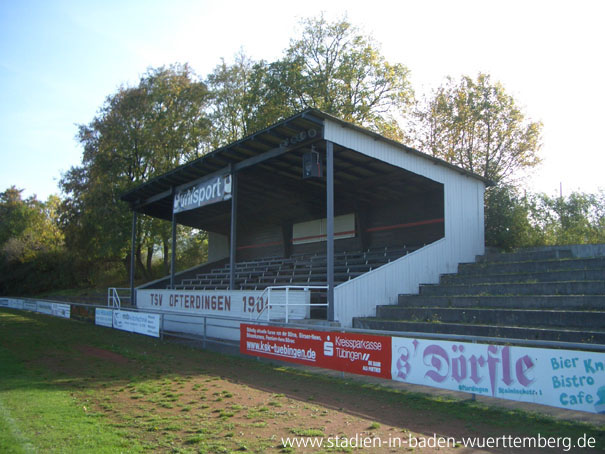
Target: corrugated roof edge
(126, 195)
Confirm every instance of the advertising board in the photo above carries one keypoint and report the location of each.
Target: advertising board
(61, 310)
(560, 378)
(206, 192)
(137, 322)
(45, 307)
(249, 304)
(30, 306)
(348, 352)
(104, 317)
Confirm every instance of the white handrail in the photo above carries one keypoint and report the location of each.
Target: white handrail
(113, 296)
(287, 304)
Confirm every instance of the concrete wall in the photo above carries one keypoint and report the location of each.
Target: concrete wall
(218, 246)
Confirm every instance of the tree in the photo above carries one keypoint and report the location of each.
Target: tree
(332, 66)
(27, 226)
(576, 219)
(139, 132)
(238, 94)
(335, 68)
(476, 125)
(31, 244)
(507, 219)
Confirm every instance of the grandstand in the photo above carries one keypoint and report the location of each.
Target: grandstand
(316, 201)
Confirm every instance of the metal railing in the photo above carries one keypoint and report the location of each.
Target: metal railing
(113, 296)
(287, 304)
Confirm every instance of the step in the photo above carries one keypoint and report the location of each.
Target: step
(531, 266)
(582, 320)
(524, 256)
(513, 332)
(540, 288)
(564, 302)
(553, 276)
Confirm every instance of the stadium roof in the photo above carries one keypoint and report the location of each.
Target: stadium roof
(270, 184)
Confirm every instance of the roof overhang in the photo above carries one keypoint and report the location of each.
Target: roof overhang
(271, 189)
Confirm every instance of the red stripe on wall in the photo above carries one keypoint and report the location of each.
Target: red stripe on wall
(322, 236)
(403, 226)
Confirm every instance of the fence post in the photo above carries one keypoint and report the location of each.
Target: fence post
(205, 328)
(269, 304)
(287, 300)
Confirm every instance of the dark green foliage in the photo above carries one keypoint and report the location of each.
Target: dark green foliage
(475, 124)
(513, 221)
(507, 223)
(140, 132)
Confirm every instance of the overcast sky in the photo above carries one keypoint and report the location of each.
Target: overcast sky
(59, 60)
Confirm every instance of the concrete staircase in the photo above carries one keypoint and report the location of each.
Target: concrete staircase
(548, 294)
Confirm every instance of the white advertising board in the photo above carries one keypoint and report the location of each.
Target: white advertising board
(45, 307)
(104, 317)
(61, 310)
(15, 304)
(137, 322)
(568, 379)
(227, 303)
(30, 306)
(3, 303)
(179, 306)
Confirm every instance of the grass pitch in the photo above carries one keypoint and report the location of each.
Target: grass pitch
(70, 387)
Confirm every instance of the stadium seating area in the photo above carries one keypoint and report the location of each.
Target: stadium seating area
(299, 269)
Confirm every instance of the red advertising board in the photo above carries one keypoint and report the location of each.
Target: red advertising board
(362, 354)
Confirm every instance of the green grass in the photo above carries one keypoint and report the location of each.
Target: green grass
(38, 415)
(55, 399)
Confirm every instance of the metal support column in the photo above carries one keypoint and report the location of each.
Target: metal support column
(330, 226)
(133, 241)
(233, 242)
(173, 252)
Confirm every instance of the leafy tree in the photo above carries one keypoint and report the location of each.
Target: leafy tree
(513, 220)
(576, 219)
(332, 66)
(475, 124)
(238, 94)
(31, 244)
(507, 219)
(335, 68)
(28, 226)
(139, 132)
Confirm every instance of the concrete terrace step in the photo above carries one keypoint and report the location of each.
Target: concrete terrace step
(563, 302)
(540, 288)
(523, 256)
(581, 320)
(552, 276)
(562, 335)
(545, 294)
(531, 266)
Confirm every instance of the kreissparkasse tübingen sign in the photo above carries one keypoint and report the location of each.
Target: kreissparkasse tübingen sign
(206, 192)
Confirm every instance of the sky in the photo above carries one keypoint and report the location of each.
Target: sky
(59, 60)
